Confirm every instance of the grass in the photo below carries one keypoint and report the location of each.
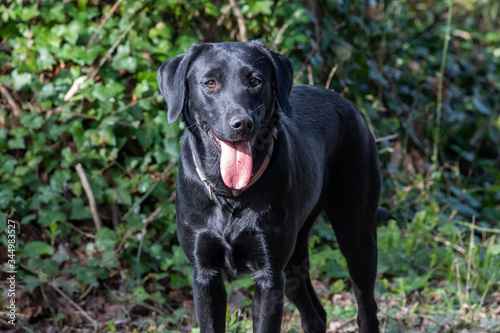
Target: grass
(433, 277)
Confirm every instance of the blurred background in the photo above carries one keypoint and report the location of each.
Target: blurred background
(88, 161)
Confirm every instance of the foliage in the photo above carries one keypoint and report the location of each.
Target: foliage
(438, 264)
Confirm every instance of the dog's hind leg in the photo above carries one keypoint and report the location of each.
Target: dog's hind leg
(298, 284)
(351, 205)
(360, 250)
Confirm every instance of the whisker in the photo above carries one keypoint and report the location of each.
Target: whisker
(193, 126)
(252, 111)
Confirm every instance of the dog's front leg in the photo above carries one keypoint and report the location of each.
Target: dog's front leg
(210, 301)
(267, 304)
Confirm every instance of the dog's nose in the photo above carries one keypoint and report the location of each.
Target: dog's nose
(242, 124)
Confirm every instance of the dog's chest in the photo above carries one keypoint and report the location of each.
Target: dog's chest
(237, 251)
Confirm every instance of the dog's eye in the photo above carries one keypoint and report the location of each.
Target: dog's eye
(211, 84)
(255, 82)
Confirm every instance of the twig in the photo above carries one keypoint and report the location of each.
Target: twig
(435, 23)
(313, 8)
(316, 47)
(385, 138)
(90, 195)
(52, 146)
(111, 50)
(145, 222)
(80, 231)
(74, 88)
(152, 217)
(88, 116)
(149, 307)
(42, 289)
(223, 16)
(344, 325)
(308, 59)
(82, 296)
(66, 297)
(15, 108)
(368, 120)
(440, 86)
(330, 76)
(240, 19)
(478, 228)
(277, 40)
(310, 74)
(169, 167)
(459, 288)
(448, 243)
(469, 259)
(114, 215)
(87, 140)
(111, 11)
(138, 203)
(93, 73)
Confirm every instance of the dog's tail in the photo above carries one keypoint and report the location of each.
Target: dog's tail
(383, 216)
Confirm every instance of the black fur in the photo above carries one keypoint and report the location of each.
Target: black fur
(324, 158)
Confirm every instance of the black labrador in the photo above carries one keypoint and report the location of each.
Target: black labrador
(260, 160)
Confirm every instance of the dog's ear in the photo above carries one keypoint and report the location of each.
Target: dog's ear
(283, 81)
(172, 82)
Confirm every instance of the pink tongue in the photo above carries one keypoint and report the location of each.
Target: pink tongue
(236, 163)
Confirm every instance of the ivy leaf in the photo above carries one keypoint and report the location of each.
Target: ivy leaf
(79, 211)
(36, 249)
(105, 239)
(105, 92)
(44, 59)
(20, 80)
(123, 60)
(28, 12)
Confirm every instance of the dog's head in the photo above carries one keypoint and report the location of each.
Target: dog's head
(230, 90)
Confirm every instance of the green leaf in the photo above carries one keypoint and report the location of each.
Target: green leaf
(140, 294)
(17, 142)
(47, 217)
(258, 7)
(79, 211)
(73, 30)
(44, 59)
(123, 60)
(105, 239)
(6, 196)
(28, 13)
(50, 267)
(494, 250)
(7, 165)
(28, 218)
(32, 120)
(377, 76)
(36, 248)
(20, 80)
(481, 107)
(104, 93)
(48, 193)
(161, 30)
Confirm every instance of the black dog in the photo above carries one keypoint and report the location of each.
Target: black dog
(251, 182)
